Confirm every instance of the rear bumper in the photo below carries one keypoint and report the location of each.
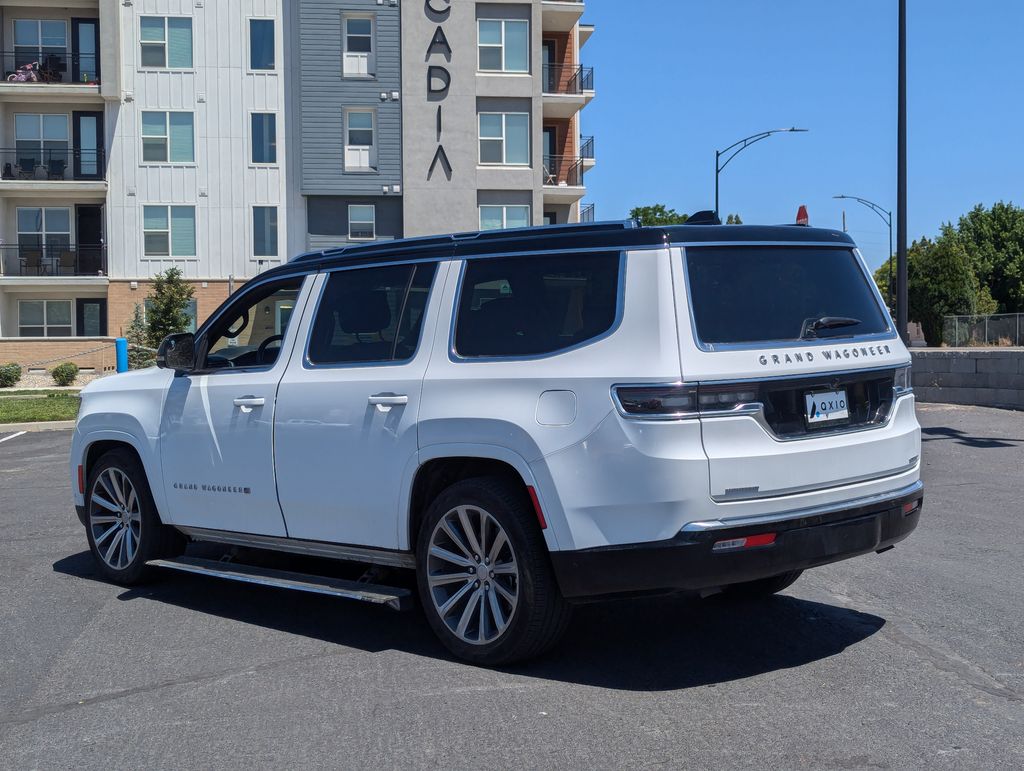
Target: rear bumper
(803, 539)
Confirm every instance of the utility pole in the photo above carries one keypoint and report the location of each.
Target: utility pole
(901, 180)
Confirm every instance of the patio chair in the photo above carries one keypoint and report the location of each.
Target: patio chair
(31, 259)
(56, 168)
(26, 168)
(66, 262)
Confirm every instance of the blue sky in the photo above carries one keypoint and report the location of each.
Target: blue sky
(677, 78)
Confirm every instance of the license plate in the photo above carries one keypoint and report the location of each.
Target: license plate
(826, 406)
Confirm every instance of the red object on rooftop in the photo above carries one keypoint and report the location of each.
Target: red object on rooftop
(801, 216)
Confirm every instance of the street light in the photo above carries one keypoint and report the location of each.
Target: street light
(887, 219)
(740, 146)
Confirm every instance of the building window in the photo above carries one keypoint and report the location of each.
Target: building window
(264, 231)
(261, 44)
(169, 231)
(190, 312)
(44, 318)
(44, 237)
(168, 137)
(505, 138)
(358, 43)
(41, 141)
(504, 45)
(264, 137)
(41, 40)
(166, 42)
(500, 217)
(360, 151)
(362, 223)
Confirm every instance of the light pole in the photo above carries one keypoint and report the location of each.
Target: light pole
(887, 219)
(901, 177)
(739, 147)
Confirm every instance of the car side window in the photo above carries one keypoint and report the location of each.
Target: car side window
(250, 332)
(529, 306)
(371, 314)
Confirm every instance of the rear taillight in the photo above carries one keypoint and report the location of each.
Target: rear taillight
(658, 401)
(680, 400)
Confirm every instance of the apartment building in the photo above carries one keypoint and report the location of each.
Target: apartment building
(222, 137)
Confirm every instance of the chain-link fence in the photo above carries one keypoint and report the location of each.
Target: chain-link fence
(996, 329)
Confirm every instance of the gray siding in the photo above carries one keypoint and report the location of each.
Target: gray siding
(328, 219)
(325, 93)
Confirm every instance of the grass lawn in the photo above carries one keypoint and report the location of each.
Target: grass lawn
(28, 406)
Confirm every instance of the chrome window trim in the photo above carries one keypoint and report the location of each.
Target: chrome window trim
(620, 302)
(308, 364)
(812, 511)
(889, 334)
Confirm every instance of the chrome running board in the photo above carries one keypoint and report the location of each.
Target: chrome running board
(392, 597)
(336, 551)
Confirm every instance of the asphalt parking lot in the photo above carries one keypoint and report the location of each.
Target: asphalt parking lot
(910, 659)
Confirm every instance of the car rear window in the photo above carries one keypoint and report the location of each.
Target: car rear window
(748, 294)
(529, 306)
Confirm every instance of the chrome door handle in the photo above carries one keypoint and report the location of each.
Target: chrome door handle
(248, 402)
(385, 402)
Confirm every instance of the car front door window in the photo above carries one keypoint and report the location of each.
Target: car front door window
(249, 334)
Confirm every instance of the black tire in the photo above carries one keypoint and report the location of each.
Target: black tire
(763, 587)
(540, 615)
(151, 539)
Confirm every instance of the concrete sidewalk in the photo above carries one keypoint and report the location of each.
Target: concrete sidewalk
(43, 425)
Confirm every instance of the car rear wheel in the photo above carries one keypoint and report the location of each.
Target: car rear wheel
(121, 520)
(764, 587)
(484, 577)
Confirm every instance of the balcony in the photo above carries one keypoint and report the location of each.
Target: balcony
(587, 152)
(562, 178)
(34, 169)
(587, 212)
(52, 260)
(29, 73)
(567, 89)
(561, 15)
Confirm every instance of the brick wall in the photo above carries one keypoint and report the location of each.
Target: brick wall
(986, 377)
(121, 301)
(28, 351)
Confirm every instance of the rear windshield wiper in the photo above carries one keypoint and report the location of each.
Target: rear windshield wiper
(810, 327)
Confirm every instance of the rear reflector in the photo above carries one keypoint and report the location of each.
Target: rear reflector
(761, 539)
(910, 507)
(81, 479)
(537, 509)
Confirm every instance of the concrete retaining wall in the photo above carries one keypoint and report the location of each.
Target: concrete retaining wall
(987, 377)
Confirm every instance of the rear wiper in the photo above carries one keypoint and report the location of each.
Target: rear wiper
(810, 327)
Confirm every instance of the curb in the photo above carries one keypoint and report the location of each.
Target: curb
(43, 425)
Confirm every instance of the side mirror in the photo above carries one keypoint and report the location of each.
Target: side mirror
(177, 352)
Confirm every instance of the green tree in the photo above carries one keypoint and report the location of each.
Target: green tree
(941, 282)
(165, 313)
(139, 355)
(733, 219)
(657, 214)
(994, 242)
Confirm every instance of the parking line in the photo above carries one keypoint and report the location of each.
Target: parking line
(13, 436)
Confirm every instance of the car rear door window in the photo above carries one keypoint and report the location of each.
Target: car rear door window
(371, 314)
(530, 306)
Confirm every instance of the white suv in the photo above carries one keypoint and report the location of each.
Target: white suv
(525, 419)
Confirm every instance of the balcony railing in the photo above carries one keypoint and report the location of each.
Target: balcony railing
(53, 260)
(34, 66)
(34, 162)
(587, 148)
(562, 171)
(567, 79)
(587, 212)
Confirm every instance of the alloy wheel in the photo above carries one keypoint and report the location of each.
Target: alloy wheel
(472, 575)
(115, 518)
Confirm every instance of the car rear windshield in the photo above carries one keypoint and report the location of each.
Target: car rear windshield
(751, 294)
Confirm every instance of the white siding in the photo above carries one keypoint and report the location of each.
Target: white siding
(222, 184)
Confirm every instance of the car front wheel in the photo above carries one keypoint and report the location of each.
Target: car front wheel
(121, 521)
(484, 576)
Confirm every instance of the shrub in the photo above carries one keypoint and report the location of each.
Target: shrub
(9, 374)
(64, 374)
